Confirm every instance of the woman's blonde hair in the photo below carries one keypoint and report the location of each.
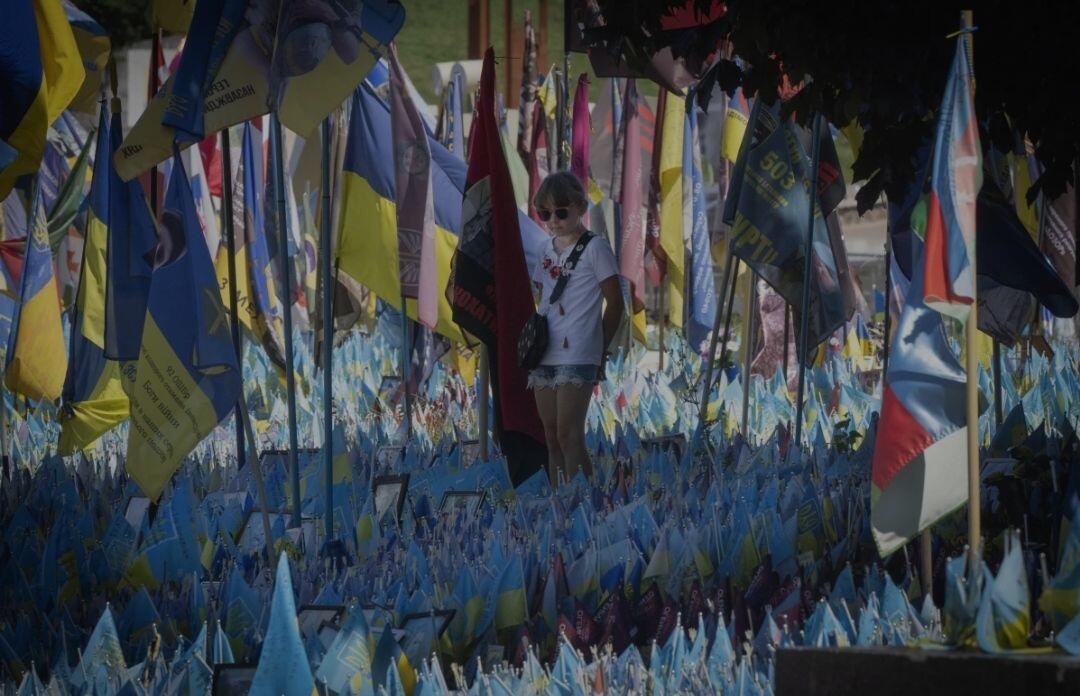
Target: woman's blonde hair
(561, 188)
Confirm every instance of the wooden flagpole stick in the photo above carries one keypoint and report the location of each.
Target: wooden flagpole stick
(808, 252)
(972, 365)
(328, 334)
(406, 351)
(278, 174)
(888, 308)
(234, 309)
(749, 331)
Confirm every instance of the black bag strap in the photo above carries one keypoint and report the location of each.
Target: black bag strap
(571, 262)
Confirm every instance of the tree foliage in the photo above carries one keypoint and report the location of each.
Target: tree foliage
(885, 64)
(126, 21)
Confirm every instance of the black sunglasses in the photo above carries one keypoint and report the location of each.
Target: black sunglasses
(545, 214)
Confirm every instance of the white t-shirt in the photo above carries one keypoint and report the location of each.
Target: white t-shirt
(575, 322)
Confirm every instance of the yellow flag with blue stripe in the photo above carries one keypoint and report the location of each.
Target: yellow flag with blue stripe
(187, 378)
(42, 73)
(36, 359)
(94, 397)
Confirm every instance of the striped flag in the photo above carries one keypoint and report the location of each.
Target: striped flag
(919, 471)
(949, 280)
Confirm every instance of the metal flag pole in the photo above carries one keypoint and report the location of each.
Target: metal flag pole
(730, 310)
(750, 329)
(278, 172)
(787, 336)
(998, 406)
(482, 400)
(808, 251)
(661, 321)
(234, 308)
(406, 350)
(256, 472)
(706, 392)
(328, 334)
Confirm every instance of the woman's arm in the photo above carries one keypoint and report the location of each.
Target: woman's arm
(613, 309)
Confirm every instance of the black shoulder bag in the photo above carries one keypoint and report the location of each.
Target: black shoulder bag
(533, 339)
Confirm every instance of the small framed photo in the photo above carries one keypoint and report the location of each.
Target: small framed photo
(136, 511)
(252, 535)
(664, 443)
(387, 457)
(467, 502)
(422, 630)
(390, 493)
(470, 451)
(312, 617)
(390, 390)
(233, 679)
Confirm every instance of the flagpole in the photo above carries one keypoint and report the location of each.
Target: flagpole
(972, 365)
(155, 48)
(482, 397)
(787, 335)
(888, 307)
(750, 329)
(998, 406)
(328, 334)
(808, 252)
(405, 351)
(661, 321)
(234, 310)
(730, 309)
(703, 408)
(286, 306)
(256, 472)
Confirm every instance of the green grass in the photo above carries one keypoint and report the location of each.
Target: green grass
(437, 30)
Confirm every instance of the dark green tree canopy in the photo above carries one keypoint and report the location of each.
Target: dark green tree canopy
(886, 64)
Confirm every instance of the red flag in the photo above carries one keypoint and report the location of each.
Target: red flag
(491, 297)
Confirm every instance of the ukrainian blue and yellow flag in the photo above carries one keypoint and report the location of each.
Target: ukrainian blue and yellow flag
(36, 359)
(94, 47)
(94, 397)
(187, 378)
(264, 311)
(368, 237)
(42, 73)
(130, 243)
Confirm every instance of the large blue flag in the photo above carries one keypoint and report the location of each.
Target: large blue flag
(94, 398)
(131, 239)
(187, 379)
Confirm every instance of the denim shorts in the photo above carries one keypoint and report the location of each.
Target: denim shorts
(551, 376)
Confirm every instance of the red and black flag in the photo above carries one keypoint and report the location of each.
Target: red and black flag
(490, 293)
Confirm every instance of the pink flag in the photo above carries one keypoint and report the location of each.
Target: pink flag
(413, 196)
(579, 160)
(632, 248)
